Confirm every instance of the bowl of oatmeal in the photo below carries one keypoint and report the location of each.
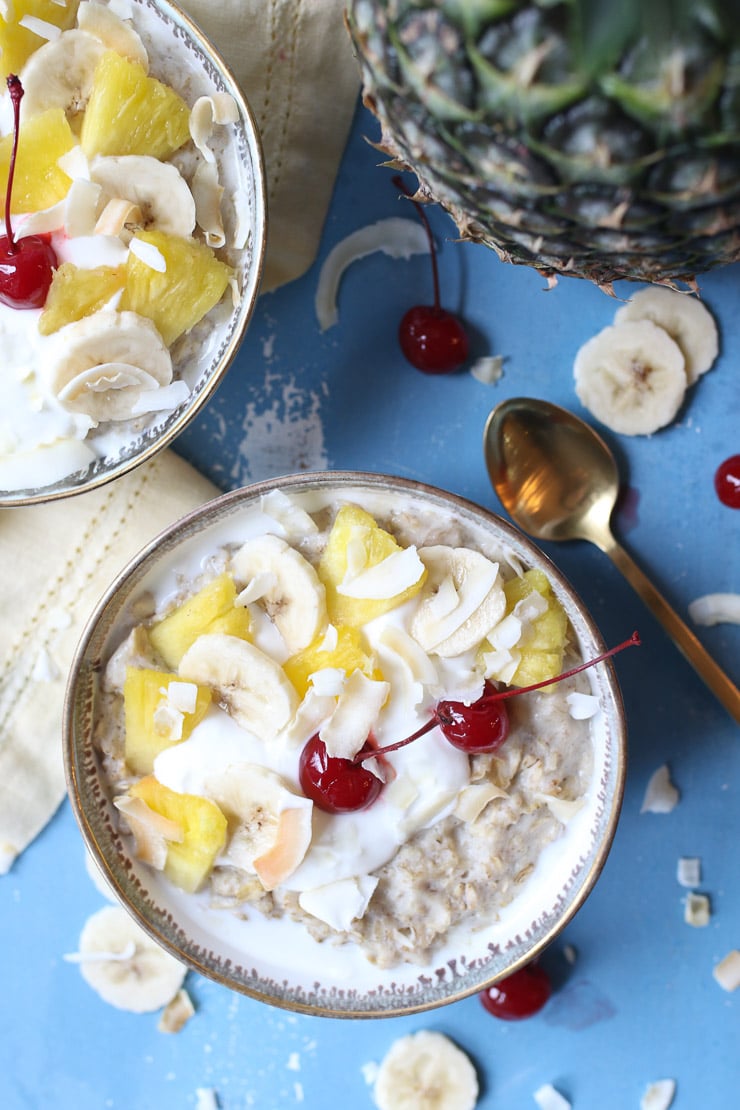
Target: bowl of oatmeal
(234, 747)
(138, 164)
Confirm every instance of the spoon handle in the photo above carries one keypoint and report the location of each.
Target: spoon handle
(685, 640)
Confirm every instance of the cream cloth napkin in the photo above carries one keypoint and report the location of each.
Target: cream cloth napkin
(294, 62)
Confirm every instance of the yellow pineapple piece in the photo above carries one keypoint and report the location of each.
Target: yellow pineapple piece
(204, 826)
(149, 729)
(355, 530)
(18, 43)
(130, 113)
(193, 282)
(543, 645)
(211, 609)
(349, 654)
(38, 182)
(76, 292)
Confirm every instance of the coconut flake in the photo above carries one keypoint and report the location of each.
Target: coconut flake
(206, 1099)
(582, 707)
(295, 521)
(386, 579)
(661, 795)
(697, 910)
(208, 111)
(340, 903)
(658, 1095)
(488, 369)
(207, 192)
(727, 971)
(395, 236)
(715, 609)
(148, 254)
(40, 27)
(176, 1013)
(328, 682)
(161, 399)
(688, 871)
(547, 1098)
(357, 709)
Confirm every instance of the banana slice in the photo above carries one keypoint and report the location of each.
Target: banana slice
(289, 588)
(254, 687)
(100, 364)
(426, 1071)
(124, 965)
(686, 319)
(115, 34)
(631, 377)
(157, 188)
(462, 599)
(273, 825)
(60, 74)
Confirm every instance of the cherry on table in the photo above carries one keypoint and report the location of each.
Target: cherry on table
(519, 995)
(431, 337)
(26, 265)
(727, 482)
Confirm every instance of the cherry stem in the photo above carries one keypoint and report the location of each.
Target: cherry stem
(401, 184)
(15, 88)
(511, 692)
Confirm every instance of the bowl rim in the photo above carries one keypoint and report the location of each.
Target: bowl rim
(249, 293)
(218, 509)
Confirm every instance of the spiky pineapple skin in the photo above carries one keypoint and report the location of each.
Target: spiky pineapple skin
(632, 173)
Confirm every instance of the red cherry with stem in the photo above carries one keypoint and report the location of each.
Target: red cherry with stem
(463, 725)
(727, 482)
(431, 338)
(519, 995)
(335, 785)
(26, 265)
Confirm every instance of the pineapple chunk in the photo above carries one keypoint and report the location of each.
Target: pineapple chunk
(18, 43)
(348, 655)
(353, 526)
(38, 182)
(130, 113)
(193, 282)
(543, 645)
(145, 734)
(204, 826)
(212, 609)
(75, 293)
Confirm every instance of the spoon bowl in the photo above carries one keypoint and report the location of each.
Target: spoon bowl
(558, 480)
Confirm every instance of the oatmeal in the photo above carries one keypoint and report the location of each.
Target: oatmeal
(245, 715)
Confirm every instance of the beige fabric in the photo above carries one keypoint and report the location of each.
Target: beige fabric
(294, 62)
(57, 561)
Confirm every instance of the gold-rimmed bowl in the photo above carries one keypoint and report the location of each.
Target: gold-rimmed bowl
(267, 958)
(181, 56)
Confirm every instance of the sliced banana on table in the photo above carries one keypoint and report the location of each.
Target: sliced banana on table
(631, 377)
(157, 188)
(101, 364)
(461, 600)
(684, 317)
(255, 688)
(289, 590)
(60, 74)
(126, 967)
(426, 1071)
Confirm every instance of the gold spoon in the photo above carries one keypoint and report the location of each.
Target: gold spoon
(558, 480)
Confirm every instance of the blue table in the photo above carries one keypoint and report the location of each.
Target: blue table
(639, 1003)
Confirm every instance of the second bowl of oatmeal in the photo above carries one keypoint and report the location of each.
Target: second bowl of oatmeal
(232, 744)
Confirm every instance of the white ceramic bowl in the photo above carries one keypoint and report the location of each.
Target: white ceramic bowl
(181, 56)
(262, 958)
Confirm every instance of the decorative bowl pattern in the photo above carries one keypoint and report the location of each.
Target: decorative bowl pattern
(260, 958)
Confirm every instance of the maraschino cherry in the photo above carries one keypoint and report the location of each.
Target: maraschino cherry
(519, 995)
(431, 337)
(727, 482)
(344, 786)
(26, 265)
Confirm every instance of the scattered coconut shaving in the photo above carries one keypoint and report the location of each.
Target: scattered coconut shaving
(206, 1099)
(488, 369)
(547, 1098)
(688, 871)
(176, 1013)
(697, 910)
(661, 795)
(658, 1095)
(727, 971)
(715, 609)
(148, 254)
(395, 236)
